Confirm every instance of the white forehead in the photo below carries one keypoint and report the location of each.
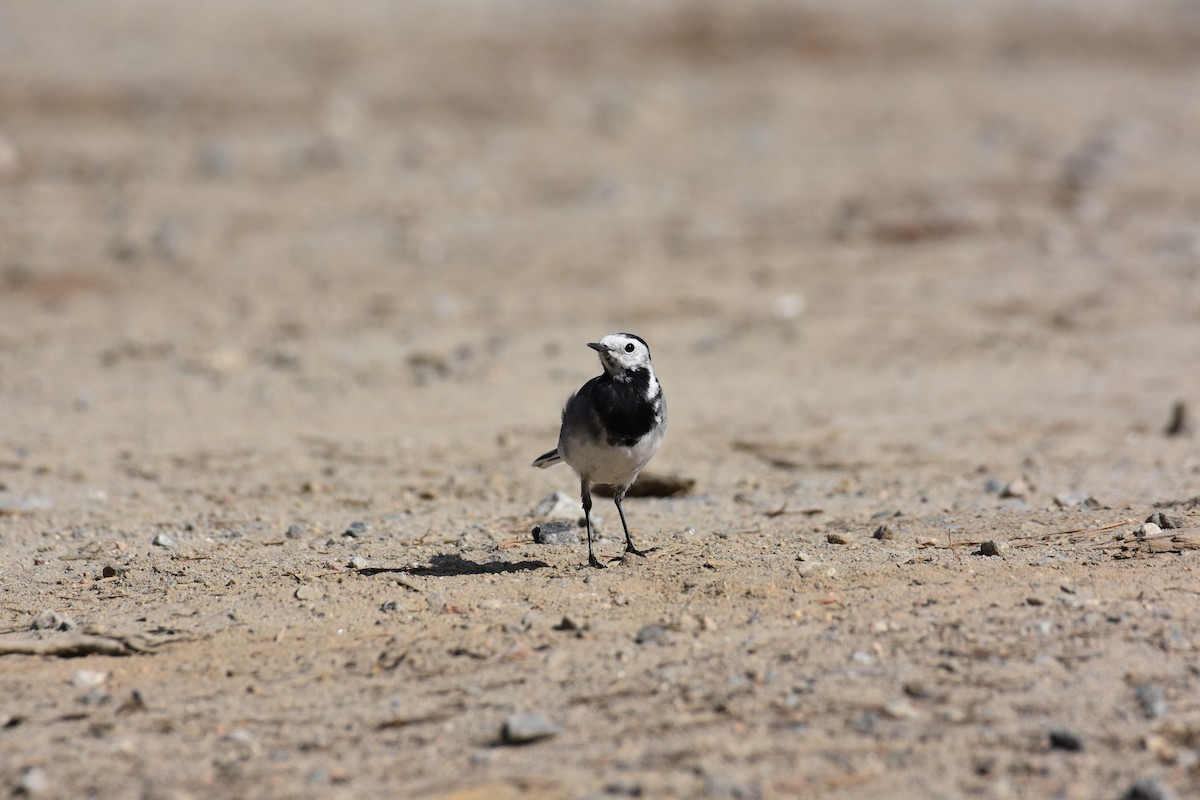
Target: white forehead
(617, 341)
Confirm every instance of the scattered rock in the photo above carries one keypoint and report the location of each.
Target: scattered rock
(162, 540)
(1167, 521)
(559, 505)
(50, 620)
(652, 634)
(994, 547)
(1149, 789)
(1151, 701)
(556, 531)
(356, 530)
(884, 532)
(837, 537)
(1061, 739)
(1146, 530)
(901, 708)
(567, 624)
(528, 728)
(1180, 423)
(358, 562)
(34, 782)
(1018, 487)
(993, 486)
(296, 531)
(308, 592)
(88, 678)
(1069, 499)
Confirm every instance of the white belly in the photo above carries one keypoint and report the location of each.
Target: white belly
(599, 462)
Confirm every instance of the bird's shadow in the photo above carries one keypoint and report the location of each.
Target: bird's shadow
(447, 564)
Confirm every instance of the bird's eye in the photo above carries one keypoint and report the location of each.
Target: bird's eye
(629, 347)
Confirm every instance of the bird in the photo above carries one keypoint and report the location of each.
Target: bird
(612, 427)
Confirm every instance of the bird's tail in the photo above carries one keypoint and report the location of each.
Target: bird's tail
(547, 459)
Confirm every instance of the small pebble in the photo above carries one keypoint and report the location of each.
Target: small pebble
(88, 678)
(1151, 701)
(295, 531)
(837, 537)
(1061, 739)
(356, 530)
(1149, 789)
(358, 562)
(34, 782)
(1167, 521)
(51, 620)
(1016, 488)
(1146, 530)
(884, 532)
(527, 728)
(162, 540)
(559, 505)
(652, 634)
(556, 531)
(1180, 423)
(1069, 499)
(994, 547)
(901, 708)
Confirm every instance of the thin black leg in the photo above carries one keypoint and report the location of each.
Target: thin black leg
(629, 548)
(586, 492)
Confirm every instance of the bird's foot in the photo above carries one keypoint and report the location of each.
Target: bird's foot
(629, 548)
(594, 562)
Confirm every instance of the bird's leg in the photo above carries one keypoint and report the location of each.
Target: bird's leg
(586, 493)
(618, 496)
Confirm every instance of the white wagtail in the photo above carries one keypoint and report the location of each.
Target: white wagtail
(612, 426)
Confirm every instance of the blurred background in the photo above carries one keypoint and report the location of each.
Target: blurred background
(239, 242)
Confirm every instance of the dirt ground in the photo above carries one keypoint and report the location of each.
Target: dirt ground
(291, 293)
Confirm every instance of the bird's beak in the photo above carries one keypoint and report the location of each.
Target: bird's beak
(599, 348)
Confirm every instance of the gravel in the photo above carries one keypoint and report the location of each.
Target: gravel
(994, 547)
(556, 531)
(528, 728)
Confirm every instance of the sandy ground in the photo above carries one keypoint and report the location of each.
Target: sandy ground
(291, 294)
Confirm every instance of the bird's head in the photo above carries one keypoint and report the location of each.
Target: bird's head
(622, 352)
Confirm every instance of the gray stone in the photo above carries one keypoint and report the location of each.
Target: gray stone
(1147, 530)
(559, 505)
(1069, 499)
(1167, 521)
(1061, 739)
(296, 531)
(837, 537)
(556, 531)
(1150, 789)
(50, 620)
(652, 634)
(1151, 701)
(358, 562)
(356, 530)
(884, 532)
(34, 782)
(528, 728)
(994, 547)
(162, 540)
(1019, 487)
